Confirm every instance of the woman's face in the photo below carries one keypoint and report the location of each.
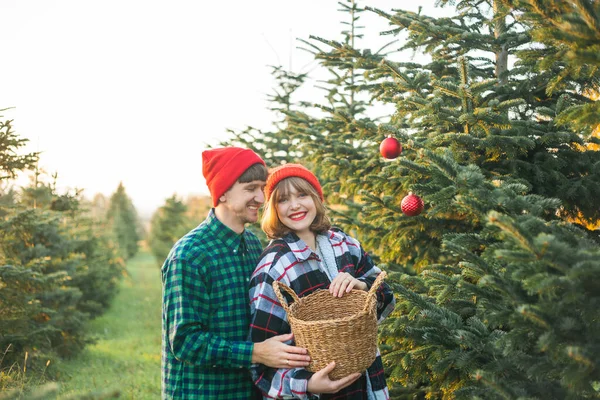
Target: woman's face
(296, 210)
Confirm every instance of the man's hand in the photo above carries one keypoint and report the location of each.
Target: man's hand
(276, 354)
(320, 382)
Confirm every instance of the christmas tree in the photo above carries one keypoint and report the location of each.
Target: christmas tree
(12, 162)
(570, 33)
(168, 224)
(123, 219)
(497, 296)
(278, 145)
(57, 268)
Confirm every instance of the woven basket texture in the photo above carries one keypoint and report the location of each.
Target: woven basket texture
(340, 329)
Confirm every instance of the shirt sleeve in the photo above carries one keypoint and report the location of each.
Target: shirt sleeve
(268, 319)
(186, 307)
(367, 271)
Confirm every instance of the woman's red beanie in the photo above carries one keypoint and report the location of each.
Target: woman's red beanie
(278, 174)
(222, 167)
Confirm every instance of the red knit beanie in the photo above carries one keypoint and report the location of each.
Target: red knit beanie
(222, 168)
(278, 174)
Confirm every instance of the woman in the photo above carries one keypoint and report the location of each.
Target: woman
(306, 254)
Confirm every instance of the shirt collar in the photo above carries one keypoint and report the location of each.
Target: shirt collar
(222, 232)
(301, 250)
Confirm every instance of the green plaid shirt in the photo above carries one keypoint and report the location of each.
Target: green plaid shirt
(205, 314)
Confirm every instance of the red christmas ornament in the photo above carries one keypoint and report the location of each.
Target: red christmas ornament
(390, 148)
(412, 205)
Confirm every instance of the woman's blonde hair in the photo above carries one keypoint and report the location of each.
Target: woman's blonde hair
(272, 225)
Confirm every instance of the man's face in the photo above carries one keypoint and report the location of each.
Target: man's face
(243, 200)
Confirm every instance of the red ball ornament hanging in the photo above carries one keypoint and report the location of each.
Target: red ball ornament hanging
(412, 205)
(390, 148)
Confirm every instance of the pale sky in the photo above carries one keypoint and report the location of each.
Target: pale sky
(133, 90)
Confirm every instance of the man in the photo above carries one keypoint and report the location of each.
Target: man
(205, 279)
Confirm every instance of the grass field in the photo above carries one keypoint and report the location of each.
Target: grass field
(126, 356)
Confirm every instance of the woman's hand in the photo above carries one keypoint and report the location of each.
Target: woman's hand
(344, 283)
(321, 383)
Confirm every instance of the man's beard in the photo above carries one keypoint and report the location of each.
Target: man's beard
(244, 213)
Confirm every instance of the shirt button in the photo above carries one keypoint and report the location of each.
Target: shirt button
(235, 251)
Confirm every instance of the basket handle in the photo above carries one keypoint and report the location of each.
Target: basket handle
(282, 300)
(373, 290)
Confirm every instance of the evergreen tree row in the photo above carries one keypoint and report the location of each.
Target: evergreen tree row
(59, 266)
(499, 126)
(174, 219)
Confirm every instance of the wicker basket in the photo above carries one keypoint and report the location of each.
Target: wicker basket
(341, 329)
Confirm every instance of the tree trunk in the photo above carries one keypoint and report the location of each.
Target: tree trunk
(502, 53)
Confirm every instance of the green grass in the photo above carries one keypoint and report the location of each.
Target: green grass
(126, 356)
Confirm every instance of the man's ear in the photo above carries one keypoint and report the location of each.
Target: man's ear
(223, 199)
